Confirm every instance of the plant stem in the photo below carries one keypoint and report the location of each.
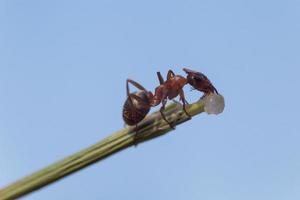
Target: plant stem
(151, 127)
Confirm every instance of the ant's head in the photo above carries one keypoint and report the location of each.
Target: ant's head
(199, 81)
(192, 75)
(194, 78)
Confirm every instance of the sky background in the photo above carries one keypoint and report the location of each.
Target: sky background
(63, 66)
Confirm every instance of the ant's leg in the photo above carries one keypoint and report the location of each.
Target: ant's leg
(184, 101)
(136, 84)
(161, 110)
(160, 78)
(130, 96)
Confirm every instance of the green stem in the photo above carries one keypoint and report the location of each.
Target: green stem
(151, 127)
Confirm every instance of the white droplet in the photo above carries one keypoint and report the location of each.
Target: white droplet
(214, 104)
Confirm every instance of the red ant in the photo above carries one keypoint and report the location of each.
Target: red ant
(200, 82)
(138, 104)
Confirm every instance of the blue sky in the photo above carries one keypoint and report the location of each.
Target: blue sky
(63, 67)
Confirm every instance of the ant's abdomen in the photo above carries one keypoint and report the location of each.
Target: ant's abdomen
(136, 111)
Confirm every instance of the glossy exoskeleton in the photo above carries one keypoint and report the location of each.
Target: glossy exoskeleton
(137, 104)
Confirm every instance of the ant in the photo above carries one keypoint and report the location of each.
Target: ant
(200, 82)
(138, 104)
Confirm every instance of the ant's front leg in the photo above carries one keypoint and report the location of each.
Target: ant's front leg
(184, 102)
